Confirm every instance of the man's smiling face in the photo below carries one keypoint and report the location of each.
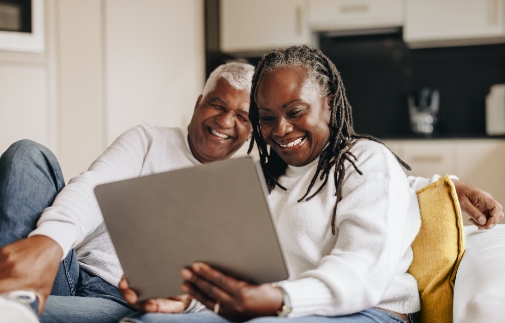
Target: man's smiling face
(220, 123)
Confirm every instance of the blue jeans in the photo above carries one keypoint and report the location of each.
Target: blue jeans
(371, 315)
(30, 179)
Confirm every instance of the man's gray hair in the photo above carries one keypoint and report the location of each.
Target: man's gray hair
(238, 75)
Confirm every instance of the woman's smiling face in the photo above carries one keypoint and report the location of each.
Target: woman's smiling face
(294, 117)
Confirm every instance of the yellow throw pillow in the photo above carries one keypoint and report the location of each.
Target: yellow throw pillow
(438, 249)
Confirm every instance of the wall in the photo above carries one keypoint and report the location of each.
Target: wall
(155, 62)
(28, 104)
(108, 66)
(81, 88)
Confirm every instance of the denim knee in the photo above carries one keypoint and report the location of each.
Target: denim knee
(30, 149)
(26, 154)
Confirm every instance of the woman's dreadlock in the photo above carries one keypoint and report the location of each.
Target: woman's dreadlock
(342, 135)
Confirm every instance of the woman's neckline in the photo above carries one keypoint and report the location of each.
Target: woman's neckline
(297, 170)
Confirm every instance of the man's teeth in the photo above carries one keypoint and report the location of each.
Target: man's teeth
(220, 135)
(293, 143)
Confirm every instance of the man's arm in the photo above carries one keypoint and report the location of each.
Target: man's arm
(485, 212)
(32, 263)
(75, 212)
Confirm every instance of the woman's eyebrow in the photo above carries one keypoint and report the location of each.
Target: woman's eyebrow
(283, 106)
(292, 101)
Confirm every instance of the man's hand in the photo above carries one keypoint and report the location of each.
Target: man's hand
(484, 211)
(30, 264)
(238, 301)
(175, 304)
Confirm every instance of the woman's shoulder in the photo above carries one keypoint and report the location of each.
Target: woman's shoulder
(375, 155)
(366, 147)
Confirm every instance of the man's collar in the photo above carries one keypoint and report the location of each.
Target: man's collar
(185, 134)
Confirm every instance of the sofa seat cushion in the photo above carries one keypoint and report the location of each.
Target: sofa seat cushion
(479, 294)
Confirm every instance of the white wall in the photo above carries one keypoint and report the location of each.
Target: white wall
(80, 67)
(155, 62)
(27, 101)
(108, 66)
(22, 104)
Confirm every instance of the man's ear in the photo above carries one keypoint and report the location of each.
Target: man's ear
(327, 101)
(198, 101)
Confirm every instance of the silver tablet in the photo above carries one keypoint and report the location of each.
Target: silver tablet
(215, 213)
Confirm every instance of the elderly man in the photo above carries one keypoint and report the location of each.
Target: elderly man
(68, 252)
(62, 248)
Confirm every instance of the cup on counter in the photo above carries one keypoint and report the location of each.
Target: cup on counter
(423, 110)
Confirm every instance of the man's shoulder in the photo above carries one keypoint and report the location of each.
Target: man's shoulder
(152, 132)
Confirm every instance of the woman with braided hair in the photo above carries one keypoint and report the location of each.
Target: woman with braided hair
(344, 211)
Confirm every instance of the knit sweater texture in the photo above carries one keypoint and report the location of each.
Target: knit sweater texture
(363, 265)
(74, 220)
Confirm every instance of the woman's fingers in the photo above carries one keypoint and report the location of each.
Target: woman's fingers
(217, 278)
(201, 284)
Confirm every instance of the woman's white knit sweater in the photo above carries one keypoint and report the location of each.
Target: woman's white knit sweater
(365, 264)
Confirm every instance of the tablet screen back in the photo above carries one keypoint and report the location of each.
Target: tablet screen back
(216, 213)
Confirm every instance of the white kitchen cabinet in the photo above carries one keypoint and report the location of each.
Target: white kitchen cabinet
(427, 157)
(453, 22)
(479, 162)
(482, 164)
(330, 15)
(262, 25)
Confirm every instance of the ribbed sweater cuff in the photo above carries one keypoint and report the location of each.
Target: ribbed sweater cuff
(63, 233)
(308, 296)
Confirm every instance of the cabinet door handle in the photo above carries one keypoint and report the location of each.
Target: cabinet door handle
(299, 20)
(358, 8)
(427, 159)
(493, 12)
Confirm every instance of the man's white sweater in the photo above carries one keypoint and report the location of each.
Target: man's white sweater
(326, 276)
(75, 221)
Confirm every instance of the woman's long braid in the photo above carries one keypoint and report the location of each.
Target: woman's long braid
(342, 135)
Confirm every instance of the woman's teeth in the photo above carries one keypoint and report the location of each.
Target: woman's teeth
(293, 143)
(220, 135)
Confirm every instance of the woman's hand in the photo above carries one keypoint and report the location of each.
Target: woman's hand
(175, 304)
(238, 300)
(484, 211)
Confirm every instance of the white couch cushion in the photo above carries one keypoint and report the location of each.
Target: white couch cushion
(479, 293)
